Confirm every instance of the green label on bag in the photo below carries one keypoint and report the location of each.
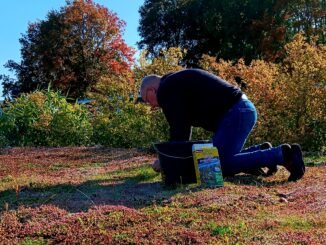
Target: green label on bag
(207, 162)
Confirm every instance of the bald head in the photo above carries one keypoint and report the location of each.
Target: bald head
(148, 89)
(149, 80)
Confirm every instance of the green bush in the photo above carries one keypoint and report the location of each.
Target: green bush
(45, 119)
(315, 136)
(129, 125)
(201, 134)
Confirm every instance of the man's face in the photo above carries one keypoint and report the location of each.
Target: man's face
(148, 95)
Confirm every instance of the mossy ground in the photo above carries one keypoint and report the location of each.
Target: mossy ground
(99, 195)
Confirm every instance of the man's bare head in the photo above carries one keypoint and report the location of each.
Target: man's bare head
(148, 89)
(149, 80)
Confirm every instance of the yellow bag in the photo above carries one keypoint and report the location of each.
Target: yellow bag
(207, 165)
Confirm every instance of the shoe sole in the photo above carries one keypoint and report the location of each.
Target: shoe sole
(298, 167)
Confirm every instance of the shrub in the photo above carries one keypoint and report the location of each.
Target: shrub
(45, 119)
(304, 92)
(290, 97)
(129, 125)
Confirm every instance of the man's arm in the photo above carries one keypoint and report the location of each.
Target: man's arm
(180, 128)
(180, 132)
(173, 102)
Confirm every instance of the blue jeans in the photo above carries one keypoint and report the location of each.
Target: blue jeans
(231, 135)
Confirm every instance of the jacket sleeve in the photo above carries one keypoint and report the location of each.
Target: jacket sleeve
(180, 133)
(180, 129)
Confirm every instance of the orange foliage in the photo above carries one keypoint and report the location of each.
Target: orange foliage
(290, 97)
(104, 28)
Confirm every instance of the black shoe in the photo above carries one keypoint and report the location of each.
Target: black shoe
(296, 165)
(286, 151)
(287, 154)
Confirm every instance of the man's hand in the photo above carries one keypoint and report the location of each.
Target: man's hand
(156, 166)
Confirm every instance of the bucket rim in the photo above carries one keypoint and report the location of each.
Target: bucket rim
(181, 142)
(156, 145)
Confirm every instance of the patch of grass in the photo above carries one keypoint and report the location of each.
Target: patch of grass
(135, 175)
(12, 182)
(229, 232)
(220, 230)
(122, 237)
(315, 160)
(187, 215)
(33, 241)
(297, 223)
(117, 215)
(22, 182)
(91, 165)
(7, 179)
(161, 211)
(31, 166)
(143, 174)
(58, 166)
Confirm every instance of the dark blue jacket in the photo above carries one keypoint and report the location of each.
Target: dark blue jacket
(194, 97)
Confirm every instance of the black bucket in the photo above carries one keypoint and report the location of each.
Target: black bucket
(177, 164)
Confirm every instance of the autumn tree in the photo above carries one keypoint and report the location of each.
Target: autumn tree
(283, 21)
(228, 29)
(308, 17)
(168, 61)
(71, 51)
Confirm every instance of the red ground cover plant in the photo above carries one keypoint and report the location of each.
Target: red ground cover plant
(97, 195)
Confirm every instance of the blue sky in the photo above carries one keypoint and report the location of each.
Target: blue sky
(16, 14)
